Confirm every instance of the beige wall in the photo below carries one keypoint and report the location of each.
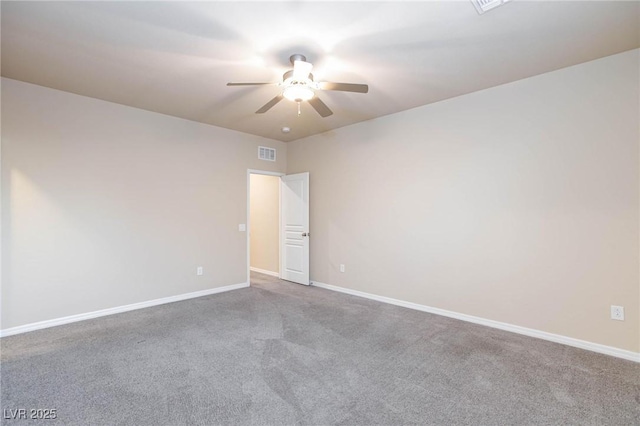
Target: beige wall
(517, 203)
(105, 205)
(264, 219)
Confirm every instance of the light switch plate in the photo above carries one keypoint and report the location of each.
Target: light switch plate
(242, 227)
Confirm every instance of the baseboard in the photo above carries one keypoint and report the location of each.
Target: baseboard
(117, 310)
(570, 341)
(264, 271)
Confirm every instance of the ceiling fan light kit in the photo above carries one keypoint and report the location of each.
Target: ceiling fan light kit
(298, 92)
(298, 86)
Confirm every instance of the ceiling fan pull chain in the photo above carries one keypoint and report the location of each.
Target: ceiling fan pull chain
(298, 109)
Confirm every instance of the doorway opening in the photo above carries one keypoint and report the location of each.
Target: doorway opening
(291, 230)
(263, 223)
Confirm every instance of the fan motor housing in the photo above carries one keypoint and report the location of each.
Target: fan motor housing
(289, 74)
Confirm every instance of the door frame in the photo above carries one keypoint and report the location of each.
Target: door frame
(248, 231)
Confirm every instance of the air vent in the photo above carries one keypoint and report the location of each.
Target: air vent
(483, 6)
(268, 154)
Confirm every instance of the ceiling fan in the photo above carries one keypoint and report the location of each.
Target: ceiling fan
(298, 86)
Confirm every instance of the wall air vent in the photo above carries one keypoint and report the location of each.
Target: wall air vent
(483, 6)
(268, 154)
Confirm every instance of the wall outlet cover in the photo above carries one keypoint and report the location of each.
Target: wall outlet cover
(617, 313)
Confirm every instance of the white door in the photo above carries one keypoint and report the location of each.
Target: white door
(294, 229)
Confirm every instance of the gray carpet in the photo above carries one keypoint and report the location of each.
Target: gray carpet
(279, 353)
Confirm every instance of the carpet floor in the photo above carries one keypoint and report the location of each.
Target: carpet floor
(278, 353)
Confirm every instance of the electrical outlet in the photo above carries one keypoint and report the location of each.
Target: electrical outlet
(617, 313)
(199, 270)
(342, 269)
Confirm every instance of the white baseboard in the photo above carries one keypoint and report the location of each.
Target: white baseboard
(264, 271)
(570, 341)
(119, 309)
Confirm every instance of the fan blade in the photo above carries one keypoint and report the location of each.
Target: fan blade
(249, 84)
(269, 104)
(301, 70)
(320, 106)
(344, 87)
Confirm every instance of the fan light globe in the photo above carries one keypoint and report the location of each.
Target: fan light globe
(298, 93)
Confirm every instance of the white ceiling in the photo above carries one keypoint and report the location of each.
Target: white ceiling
(176, 57)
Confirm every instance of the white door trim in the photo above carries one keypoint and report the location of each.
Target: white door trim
(248, 231)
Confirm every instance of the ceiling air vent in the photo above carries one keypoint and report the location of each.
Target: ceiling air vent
(268, 154)
(483, 6)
